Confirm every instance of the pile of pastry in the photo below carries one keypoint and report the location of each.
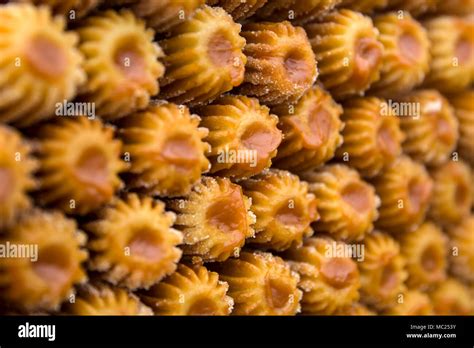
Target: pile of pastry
(243, 157)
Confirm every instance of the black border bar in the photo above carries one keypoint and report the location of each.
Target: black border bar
(333, 330)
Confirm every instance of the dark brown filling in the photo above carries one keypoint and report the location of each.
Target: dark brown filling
(368, 53)
(147, 245)
(358, 196)
(430, 259)
(229, 215)
(53, 265)
(339, 272)
(409, 47)
(278, 292)
(131, 62)
(461, 194)
(203, 306)
(464, 50)
(264, 141)
(297, 67)
(181, 152)
(6, 184)
(46, 57)
(92, 170)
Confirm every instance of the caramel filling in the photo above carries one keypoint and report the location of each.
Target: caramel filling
(92, 170)
(6, 184)
(464, 50)
(278, 292)
(443, 130)
(290, 215)
(46, 57)
(223, 55)
(388, 278)
(181, 152)
(53, 265)
(261, 139)
(430, 259)
(418, 194)
(297, 68)
(339, 272)
(147, 245)
(130, 60)
(315, 127)
(203, 306)
(368, 53)
(229, 215)
(357, 195)
(313, 210)
(386, 141)
(320, 123)
(409, 47)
